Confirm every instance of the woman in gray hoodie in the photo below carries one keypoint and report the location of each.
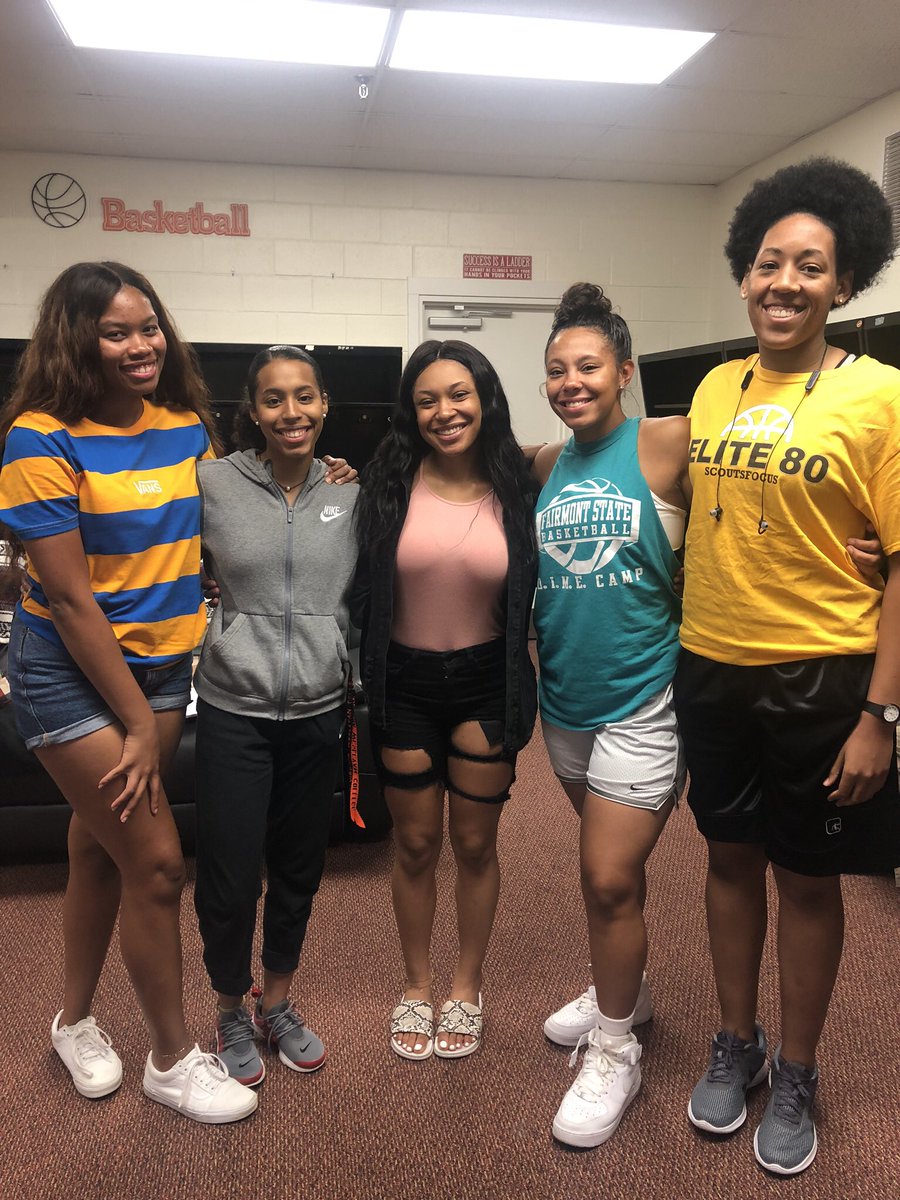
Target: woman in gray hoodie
(272, 682)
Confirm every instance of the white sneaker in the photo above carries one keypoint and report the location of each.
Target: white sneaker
(87, 1051)
(608, 1081)
(200, 1087)
(579, 1017)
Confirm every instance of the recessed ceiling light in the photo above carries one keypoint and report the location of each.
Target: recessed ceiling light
(268, 30)
(538, 48)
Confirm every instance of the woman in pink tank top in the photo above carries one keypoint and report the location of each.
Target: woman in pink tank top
(447, 573)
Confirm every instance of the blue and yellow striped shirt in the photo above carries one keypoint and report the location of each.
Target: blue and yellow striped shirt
(132, 494)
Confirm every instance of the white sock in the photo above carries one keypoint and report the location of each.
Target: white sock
(618, 1029)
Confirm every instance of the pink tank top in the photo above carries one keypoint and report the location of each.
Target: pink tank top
(450, 581)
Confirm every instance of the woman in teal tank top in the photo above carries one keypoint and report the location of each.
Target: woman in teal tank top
(609, 518)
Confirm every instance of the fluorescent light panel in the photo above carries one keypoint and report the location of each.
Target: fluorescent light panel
(267, 30)
(539, 48)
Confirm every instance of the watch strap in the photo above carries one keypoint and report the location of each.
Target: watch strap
(885, 712)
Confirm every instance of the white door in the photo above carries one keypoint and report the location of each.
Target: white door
(512, 334)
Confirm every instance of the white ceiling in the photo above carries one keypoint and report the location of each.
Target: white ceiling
(778, 70)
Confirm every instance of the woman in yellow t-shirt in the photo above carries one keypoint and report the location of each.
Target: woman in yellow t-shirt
(788, 687)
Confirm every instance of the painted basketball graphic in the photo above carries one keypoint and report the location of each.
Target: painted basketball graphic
(586, 524)
(58, 200)
(764, 423)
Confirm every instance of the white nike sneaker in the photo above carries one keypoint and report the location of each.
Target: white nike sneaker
(609, 1079)
(579, 1017)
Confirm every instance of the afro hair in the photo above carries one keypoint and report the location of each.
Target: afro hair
(844, 198)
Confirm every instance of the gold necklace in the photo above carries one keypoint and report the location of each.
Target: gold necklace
(287, 488)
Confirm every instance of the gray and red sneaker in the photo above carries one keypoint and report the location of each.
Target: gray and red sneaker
(236, 1047)
(283, 1029)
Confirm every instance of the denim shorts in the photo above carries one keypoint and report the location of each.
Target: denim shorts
(55, 703)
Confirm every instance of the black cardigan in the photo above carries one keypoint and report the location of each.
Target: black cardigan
(372, 609)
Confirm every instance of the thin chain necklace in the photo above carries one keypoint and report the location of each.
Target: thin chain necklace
(287, 488)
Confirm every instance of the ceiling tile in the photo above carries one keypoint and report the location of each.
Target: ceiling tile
(775, 72)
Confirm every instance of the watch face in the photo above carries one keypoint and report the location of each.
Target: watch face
(891, 713)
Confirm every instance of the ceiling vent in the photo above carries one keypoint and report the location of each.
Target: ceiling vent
(891, 180)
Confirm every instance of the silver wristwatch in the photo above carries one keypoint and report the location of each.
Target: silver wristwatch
(889, 713)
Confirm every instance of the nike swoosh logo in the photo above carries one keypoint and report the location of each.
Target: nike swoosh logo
(331, 516)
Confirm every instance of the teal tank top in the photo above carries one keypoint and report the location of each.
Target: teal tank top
(605, 611)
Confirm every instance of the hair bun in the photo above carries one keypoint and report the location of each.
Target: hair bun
(586, 305)
(582, 304)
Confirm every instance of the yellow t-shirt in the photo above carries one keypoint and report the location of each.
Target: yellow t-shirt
(817, 466)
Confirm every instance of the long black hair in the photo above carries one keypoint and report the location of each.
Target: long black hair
(401, 451)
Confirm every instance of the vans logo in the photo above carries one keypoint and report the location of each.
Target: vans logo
(330, 511)
(148, 487)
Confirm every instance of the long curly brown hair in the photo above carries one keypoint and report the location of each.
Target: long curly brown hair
(60, 370)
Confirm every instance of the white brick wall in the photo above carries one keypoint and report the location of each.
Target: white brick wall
(332, 252)
(309, 258)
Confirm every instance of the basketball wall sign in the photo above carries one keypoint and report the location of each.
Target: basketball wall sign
(58, 200)
(159, 219)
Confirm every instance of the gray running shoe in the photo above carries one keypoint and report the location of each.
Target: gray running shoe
(282, 1028)
(785, 1141)
(718, 1103)
(236, 1047)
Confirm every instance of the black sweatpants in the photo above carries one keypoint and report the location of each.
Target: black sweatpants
(264, 793)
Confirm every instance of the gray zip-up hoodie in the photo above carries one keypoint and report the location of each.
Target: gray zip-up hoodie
(277, 643)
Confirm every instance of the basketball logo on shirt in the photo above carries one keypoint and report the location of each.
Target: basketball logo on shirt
(746, 449)
(765, 422)
(585, 526)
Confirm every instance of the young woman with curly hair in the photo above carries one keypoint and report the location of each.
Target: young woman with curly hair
(610, 518)
(447, 571)
(788, 686)
(101, 438)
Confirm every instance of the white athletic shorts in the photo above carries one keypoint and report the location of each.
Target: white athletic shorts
(638, 761)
